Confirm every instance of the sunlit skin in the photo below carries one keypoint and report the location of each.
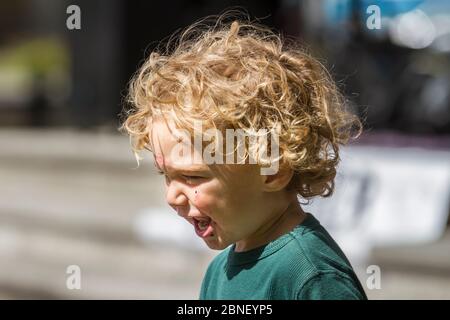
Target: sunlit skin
(245, 207)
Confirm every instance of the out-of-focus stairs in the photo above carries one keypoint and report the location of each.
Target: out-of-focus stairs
(69, 198)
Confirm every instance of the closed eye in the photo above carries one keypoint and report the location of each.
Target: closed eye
(188, 178)
(192, 177)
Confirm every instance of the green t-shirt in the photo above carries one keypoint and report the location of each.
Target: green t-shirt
(304, 264)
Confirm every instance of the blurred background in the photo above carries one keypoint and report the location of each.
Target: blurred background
(70, 192)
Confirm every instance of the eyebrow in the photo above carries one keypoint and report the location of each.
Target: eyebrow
(190, 169)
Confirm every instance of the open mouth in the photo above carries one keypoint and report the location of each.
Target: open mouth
(203, 227)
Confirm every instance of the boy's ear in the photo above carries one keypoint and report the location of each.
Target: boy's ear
(277, 181)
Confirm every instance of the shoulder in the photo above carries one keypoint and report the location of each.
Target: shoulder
(318, 252)
(319, 268)
(330, 285)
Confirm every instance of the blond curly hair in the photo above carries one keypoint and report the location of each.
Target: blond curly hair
(241, 75)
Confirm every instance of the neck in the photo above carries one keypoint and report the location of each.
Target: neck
(277, 225)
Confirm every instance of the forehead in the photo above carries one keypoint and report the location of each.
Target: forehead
(173, 150)
(172, 147)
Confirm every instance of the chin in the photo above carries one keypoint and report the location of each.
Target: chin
(214, 244)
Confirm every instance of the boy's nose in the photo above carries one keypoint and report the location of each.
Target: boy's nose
(175, 197)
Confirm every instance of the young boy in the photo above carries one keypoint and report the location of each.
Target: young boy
(240, 77)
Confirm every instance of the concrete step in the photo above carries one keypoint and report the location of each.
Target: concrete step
(33, 263)
(71, 198)
(432, 258)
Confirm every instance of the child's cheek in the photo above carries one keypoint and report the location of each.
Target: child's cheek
(201, 201)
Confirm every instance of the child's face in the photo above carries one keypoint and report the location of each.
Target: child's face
(225, 203)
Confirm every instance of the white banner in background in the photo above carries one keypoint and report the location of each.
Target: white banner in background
(387, 196)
